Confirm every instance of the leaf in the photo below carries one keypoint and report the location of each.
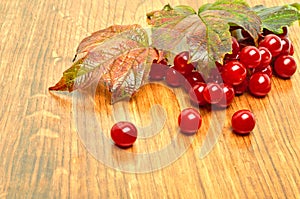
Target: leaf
(119, 56)
(219, 16)
(275, 18)
(205, 35)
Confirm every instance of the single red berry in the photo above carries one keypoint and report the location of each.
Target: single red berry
(189, 121)
(192, 79)
(267, 70)
(286, 46)
(228, 96)
(273, 43)
(243, 122)
(196, 94)
(213, 93)
(181, 63)
(157, 71)
(266, 57)
(241, 88)
(123, 134)
(173, 77)
(259, 84)
(285, 66)
(235, 49)
(234, 73)
(250, 56)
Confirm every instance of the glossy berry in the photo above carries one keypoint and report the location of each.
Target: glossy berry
(250, 56)
(273, 43)
(157, 71)
(196, 94)
(181, 63)
(241, 88)
(234, 73)
(227, 97)
(173, 77)
(243, 122)
(213, 93)
(266, 57)
(286, 46)
(123, 134)
(267, 70)
(189, 121)
(285, 66)
(259, 84)
(235, 49)
(192, 79)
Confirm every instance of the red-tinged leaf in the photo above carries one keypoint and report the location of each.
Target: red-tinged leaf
(205, 35)
(90, 42)
(128, 72)
(111, 60)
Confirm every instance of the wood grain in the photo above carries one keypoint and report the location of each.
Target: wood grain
(43, 156)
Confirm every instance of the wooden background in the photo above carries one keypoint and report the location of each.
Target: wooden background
(42, 155)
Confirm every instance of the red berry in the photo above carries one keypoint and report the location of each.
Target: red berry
(241, 88)
(189, 120)
(228, 96)
(243, 122)
(196, 94)
(267, 70)
(259, 84)
(173, 77)
(123, 134)
(234, 73)
(273, 43)
(285, 66)
(235, 49)
(266, 57)
(250, 56)
(191, 80)
(213, 93)
(157, 71)
(286, 46)
(235, 46)
(181, 63)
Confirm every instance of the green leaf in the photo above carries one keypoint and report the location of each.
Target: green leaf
(219, 16)
(275, 18)
(206, 34)
(118, 56)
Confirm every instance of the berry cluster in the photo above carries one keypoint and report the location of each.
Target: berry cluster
(247, 68)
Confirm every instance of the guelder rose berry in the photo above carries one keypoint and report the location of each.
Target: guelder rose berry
(234, 73)
(189, 121)
(259, 84)
(285, 66)
(243, 122)
(123, 134)
(250, 56)
(181, 63)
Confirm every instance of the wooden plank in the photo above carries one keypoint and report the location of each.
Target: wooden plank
(42, 155)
